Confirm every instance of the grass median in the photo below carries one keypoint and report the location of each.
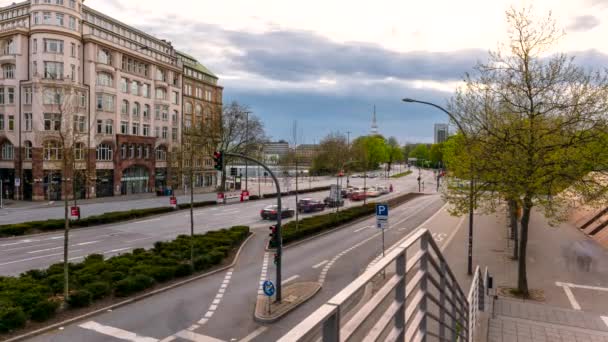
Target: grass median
(36, 295)
(314, 225)
(34, 227)
(402, 174)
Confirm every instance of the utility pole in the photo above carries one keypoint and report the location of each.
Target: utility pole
(348, 154)
(295, 148)
(246, 147)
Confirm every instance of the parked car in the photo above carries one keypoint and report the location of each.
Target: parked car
(358, 195)
(373, 192)
(270, 212)
(346, 192)
(383, 189)
(309, 205)
(332, 203)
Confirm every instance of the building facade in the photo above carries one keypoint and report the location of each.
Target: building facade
(274, 151)
(441, 133)
(72, 74)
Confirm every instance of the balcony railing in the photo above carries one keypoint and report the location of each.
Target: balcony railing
(419, 300)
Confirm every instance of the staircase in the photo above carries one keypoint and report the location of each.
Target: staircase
(517, 321)
(595, 225)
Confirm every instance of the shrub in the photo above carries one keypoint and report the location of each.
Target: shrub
(11, 318)
(162, 273)
(98, 289)
(79, 299)
(44, 310)
(202, 262)
(93, 258)
(216, 256)
(183, 270)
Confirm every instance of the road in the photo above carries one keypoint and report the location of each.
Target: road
(38, 251)
(220, 307)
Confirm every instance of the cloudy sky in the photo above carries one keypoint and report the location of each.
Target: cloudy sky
(326, 63)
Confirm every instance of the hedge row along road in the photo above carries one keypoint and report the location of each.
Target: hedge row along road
(36, 295)
(402, 174)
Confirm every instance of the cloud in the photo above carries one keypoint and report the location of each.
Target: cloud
(584, 23)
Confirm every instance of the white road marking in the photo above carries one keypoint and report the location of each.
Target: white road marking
(116, 332)
(44, 250)
(168, 339)
(218, 298)
(192, 336)
(587, 287)
(263, 273)
(320, 264)
(253, 334)
(570, 295)
(86, 243)
(18, 243)
(290, 279)
(150, 220)
(360, 229)
(451, 237)
(26, 247)
(140, 239)
(34, 258)
(117, 250)
(193, 327)
(605, 319)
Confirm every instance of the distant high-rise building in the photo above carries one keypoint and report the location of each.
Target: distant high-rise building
(441, 133)
(374, 130)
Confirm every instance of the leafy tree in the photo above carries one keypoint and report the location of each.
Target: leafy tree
(436, 154)
(534, 122)
(420, 152)
(332, 155)
(393, 152)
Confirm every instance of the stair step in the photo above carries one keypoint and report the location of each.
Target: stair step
(549, 314)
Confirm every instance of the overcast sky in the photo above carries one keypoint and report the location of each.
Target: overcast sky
(326, 63)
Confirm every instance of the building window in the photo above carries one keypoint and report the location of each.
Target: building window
(8, 71)
(165, 132)
(139, 151)
(72, 50)
(176, 97)
(146, 131)
(123, 151)
(134, 66)
(105, 102)
(146, 112)
(59, 19)
(136, 109)
(104, 79)
(34, 45)
(1, 96)
(28, 121)
(124, 108)
(131, 151)
(156, 111)
(36, 18)
(1, 122)
(9, 47)
(174, 117)
(28, 149)
(52, 121)
(72, 23)
(134, 88)
(160, 75)
(187, 121)
(79, 151)
(165, 113)
(53, 46)
(52, 150)
(147, 152)
(53, 96)
(83, 99)
(53, 70)
(99, 126)
(27, 91)
(161, 93)
(73, 72)
(174, 134)
(8, 151)
(161, 153)
(124, 127)
(11, 122)
(145, 90)
(135, 129)
(109, 126)
(157, 132)
(72, 3)
(188, 108)
(11, 95)
(104, 152)
(124, 85)
(79, 124)
(47, 18)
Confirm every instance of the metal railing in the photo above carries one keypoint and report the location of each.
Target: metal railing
(409, 295)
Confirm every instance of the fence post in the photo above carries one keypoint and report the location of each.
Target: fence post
(400, 295)
(424, 247)
(331, 327)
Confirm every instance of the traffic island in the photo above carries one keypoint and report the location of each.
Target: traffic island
(269, 311)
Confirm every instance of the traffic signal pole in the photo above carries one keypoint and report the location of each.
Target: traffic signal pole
(279, 230)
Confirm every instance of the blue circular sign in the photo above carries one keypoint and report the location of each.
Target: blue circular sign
(268, 288)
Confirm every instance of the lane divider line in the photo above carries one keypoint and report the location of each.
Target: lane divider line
(253, 334)
(218, 298)
(320, 264)
(264, 273)
(290, 279)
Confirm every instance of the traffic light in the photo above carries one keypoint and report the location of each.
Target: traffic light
(273, 237)
(276, 258)
(218, 159)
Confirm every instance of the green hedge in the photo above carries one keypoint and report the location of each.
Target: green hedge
(316, 224)
(402, 174)
(36, 294)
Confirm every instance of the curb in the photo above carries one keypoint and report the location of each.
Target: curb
(277, 317)
(131, 300)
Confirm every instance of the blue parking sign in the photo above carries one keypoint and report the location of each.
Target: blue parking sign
(382, 211)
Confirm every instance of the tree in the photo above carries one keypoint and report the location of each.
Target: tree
(394, 153)
(436, 155)
(65, 147)
(420, 152)
(332, 156)
(535, 120)
(239, 133)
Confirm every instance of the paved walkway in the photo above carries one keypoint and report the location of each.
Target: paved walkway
(575, 306)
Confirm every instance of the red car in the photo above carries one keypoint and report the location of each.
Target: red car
(358, 195)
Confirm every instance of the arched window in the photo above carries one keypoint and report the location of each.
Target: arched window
(161, 153)
(8, 71)
(146, 111)
(188, 108)
(104, 56)
(104, 152)
(52, 150)
(136, 109)
(79, 151)
(124, 108)
(28, 149)
(7, 151)
(105, 79)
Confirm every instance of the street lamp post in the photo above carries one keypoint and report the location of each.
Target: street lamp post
(246, 149)
(471, 182)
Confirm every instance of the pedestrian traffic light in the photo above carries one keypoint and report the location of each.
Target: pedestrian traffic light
(276, 258)
(218, 159)
(273, 237)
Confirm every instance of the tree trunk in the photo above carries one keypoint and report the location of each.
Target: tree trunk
(522, 277)
(514, 227)
(191, 215)
(66, 276)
